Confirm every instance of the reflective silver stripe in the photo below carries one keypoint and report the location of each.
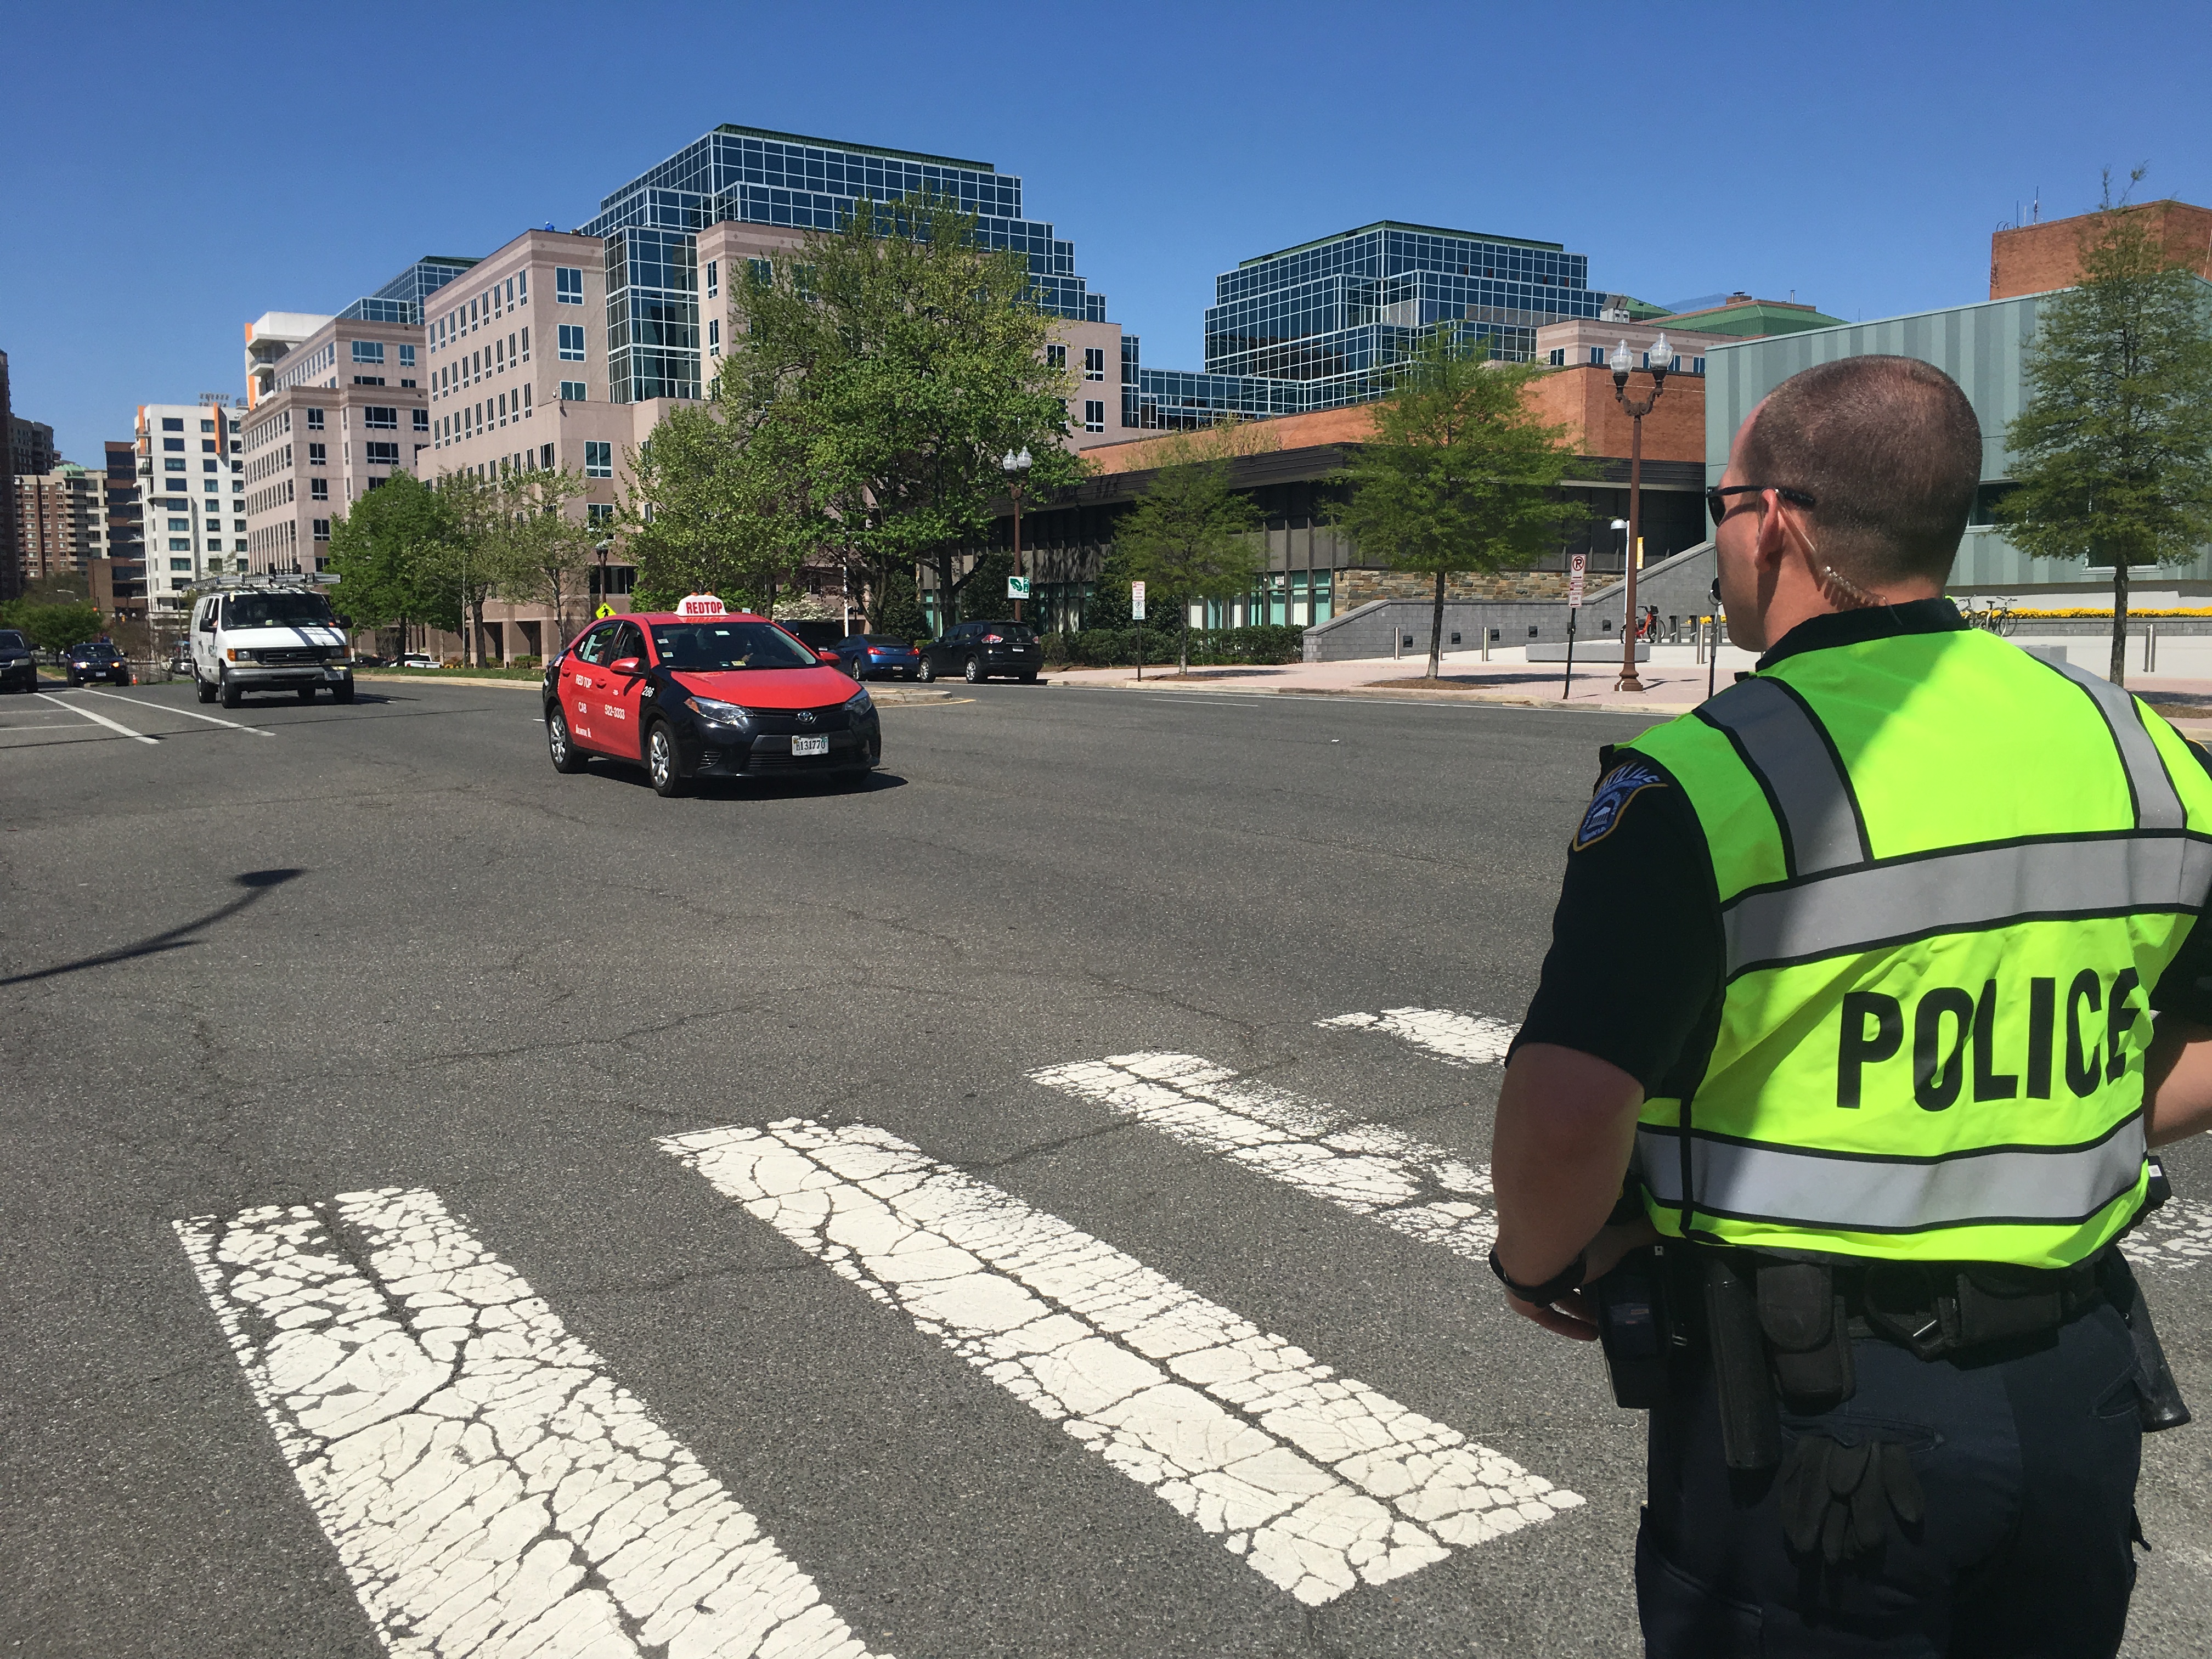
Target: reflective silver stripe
(1955, 892)
(2157, 805)
(1811, 793)
(1870, 1195)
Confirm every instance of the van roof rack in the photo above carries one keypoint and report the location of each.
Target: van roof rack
(274, 582)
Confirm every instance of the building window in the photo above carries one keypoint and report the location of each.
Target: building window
(180, 523)
(238, 547)
(407, 356)
(572, 391)
(322, 529)
(598, 460)
(522, 288)
(526, 409)
(207, 446)
(383, 454)
(381, 419)
(714, 333)
(207, 426)
(525, 345)
(315, 454)
(171, 424)
(599, 513)
(713, 277)
(1094, 416)
(572, 342)
(569, 285)
(318, 489)
(1559, 361)
(314, 420)
(1094, 363)
(1055, 356)
(173, 443)
(421, 420)
(211, 466)
(368, 351)
(760, 271)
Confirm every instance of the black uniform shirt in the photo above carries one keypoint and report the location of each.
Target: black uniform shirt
(1636, 969)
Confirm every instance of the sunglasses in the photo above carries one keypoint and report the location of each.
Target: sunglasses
(1716, 497)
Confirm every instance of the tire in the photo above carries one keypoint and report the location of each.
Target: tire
(342, 693)
(926, 673)
(663, 764)
(972, 671)
(567, 757)
(202, 690)
(307, 694)
(232, 696)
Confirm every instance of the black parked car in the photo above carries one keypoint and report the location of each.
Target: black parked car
(864, 655)
(815, 636)
(979, 651)
(18, 664)
(98, 661)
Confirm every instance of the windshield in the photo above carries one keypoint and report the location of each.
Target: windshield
(717, 648)
(94, 650)
(11, 640)
(277, 611)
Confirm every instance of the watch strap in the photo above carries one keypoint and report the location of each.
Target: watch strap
(1544, 1295)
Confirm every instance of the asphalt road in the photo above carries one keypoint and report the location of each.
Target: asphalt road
(381, 968)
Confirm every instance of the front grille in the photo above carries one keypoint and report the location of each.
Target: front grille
(785, 722)
(289, 659)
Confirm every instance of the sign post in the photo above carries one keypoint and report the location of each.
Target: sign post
(1137, 616)
(1577, 567)
(1713, 653)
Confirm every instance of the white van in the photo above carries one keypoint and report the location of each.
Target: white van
(269, 634)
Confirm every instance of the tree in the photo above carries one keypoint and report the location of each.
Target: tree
(1189, 536)
(542, 556)
(462, 572)
(890, 364)
(52, 627)
(897, 607)
(718, 505)
(1460, 474)
(387, 550)
(2113, 447)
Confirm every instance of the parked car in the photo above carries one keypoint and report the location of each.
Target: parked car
(815, 636)
(180, 658)
(418, 659)
(865, 655)
(96, 659)
(18, 664)
(978, 651)
(706, 694)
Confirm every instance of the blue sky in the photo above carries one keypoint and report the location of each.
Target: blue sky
(176, 171)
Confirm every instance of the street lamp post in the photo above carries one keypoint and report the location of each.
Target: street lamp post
(1661, 359)
(1016, 465)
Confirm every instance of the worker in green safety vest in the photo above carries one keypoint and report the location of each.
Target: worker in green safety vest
(1834, 1156)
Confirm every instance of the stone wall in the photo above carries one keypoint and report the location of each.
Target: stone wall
(1357, 588)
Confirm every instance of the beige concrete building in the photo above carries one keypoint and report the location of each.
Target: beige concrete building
(191, 474)
(60, 521)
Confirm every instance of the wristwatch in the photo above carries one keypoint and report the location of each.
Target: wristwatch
(1544, 1295)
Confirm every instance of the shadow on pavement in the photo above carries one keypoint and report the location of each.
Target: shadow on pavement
(255, 882)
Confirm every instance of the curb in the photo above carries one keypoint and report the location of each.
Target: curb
(446, 679)
(904, 693)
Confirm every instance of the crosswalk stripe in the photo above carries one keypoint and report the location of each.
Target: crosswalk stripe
(2174, 1238)
(488, 1489)
(1319, 1481)
(1457, 1039)
(1371, 1169)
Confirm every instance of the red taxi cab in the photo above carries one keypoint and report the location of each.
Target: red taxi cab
(704, 692)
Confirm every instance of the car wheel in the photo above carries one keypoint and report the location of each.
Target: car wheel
(232, 696)
(926, 672)
(342, 693)
(307, 694)
(973, 672)
(661, 763)
(202, 690)
(567, 757)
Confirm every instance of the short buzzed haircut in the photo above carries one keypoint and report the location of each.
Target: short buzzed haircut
(1891, 451)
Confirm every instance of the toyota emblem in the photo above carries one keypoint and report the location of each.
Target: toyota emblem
(806, 717)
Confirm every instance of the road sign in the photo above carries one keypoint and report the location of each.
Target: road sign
(1136, 601)
(1576, 567)
(1018, 588)
(700, 604)
(604, 611)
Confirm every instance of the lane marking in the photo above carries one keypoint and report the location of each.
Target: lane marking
(189, 714)
(488, 1488)
(98, 718)
(1319, 1481)
(1456, 1039)
(1371, 1169)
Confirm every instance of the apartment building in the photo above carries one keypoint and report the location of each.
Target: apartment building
(60, 521)
(192, 485)
(30, 446)
(270, 339)
(11, 579)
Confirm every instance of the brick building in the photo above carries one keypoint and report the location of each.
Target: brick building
(61, 522)
(2038, 259)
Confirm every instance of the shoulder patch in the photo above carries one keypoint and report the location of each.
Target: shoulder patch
(1614, 791)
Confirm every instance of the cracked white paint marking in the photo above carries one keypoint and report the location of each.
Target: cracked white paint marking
(1369, 1169)
(1456, 1039)
(489, 1490)
(2177, 1236)
(1319, 1481)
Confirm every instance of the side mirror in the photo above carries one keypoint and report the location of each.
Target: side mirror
(829, 656)
(207, 623)
(629, 666)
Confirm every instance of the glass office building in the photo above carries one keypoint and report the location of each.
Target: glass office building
(1321, 326)
(650, 227)
(400, 299)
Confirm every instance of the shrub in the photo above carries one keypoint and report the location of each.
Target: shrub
(1116, 647)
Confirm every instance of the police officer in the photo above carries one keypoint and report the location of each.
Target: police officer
(1925, 985)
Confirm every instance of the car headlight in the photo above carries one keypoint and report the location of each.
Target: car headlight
(859, 703)
(721, 713)
(241, 656)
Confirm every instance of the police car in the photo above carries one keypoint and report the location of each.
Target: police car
(705, 692)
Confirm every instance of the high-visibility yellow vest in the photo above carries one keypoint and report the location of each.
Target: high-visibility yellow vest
(1948, 873)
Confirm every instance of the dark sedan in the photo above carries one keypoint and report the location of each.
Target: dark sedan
(864, 656)
(18, 664)
(98, 661)
(979, 651)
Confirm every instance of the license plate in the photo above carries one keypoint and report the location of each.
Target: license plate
(810, 746)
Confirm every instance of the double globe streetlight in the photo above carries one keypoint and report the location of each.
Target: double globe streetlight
(1017, 465)
(1659, 359)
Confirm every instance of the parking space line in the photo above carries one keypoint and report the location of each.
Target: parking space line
(99, 719)
(189, 714)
